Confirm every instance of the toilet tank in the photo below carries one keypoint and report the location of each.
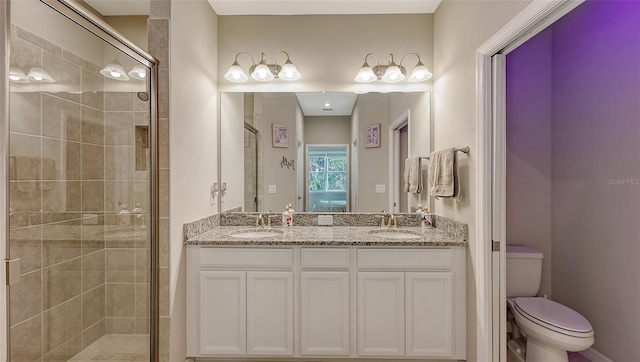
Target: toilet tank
(524, 271)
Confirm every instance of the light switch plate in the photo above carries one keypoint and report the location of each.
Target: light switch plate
(273, 189)
(380, 189)
(325, 220)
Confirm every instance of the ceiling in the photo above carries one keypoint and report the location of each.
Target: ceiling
(314, 103)
(280, 7)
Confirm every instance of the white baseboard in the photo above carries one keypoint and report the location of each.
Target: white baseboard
(594, 356)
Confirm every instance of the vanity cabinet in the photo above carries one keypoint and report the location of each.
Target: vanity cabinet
(312, 302)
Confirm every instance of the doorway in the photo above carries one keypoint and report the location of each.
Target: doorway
(327, 178)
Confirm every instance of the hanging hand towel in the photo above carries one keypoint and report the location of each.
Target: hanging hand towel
(412, 175)
(443, 174)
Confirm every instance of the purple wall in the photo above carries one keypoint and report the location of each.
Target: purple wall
(595, 163)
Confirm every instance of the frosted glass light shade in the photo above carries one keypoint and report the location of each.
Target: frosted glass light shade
(262, 73)
(420, 73)
(236, 74)
(366, 75)
(138, 72)
(114, 71)
(39, 75)
(289, 72)
(393, 74)
(16, 75)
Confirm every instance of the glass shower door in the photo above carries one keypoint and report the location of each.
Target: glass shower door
(80, 181)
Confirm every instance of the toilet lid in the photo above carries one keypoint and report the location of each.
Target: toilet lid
(553, 313)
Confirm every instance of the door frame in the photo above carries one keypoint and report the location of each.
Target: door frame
(306, 172)
(491, 171)
(394, 162)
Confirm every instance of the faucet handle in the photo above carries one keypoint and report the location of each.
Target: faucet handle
(269, 217)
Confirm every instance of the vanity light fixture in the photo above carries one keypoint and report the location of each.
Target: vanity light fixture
(138, 72)
(37, 74)
(391, 72)
(263, 71)
(114, 70)
(16, 75)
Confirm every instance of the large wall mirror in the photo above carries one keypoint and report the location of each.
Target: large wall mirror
(321, 151)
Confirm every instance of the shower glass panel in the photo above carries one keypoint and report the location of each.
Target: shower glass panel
(250, 169)
(79, 193)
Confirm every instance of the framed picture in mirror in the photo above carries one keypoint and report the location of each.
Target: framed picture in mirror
(280, 137)
(372, 136)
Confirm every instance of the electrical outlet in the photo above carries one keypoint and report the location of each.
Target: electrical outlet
(380, 189)
(273, 189)
(325, 220)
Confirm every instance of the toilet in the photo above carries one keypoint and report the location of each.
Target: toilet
(551, 328)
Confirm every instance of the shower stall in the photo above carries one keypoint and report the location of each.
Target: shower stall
(79, 193)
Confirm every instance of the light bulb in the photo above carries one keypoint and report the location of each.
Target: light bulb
(115, 74)
(14, 77)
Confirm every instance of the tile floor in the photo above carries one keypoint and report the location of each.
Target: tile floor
(116, 348)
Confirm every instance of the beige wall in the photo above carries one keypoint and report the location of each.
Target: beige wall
(460, 27)
(134, 28)
(327, 130)
(327, 49)
(194, 145)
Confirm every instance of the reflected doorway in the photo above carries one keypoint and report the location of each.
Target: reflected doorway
(327, 178)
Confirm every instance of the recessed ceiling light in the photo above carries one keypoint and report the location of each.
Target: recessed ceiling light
(327, 104)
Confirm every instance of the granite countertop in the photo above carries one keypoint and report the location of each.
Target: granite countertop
(326, 235)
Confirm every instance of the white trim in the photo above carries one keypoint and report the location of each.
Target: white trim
(535, 17)
(394, 152)
(594, 356)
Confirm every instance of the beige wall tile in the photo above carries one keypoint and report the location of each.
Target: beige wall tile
(24, 157)
(158, 40)
(25, 197)
(120, 266)
(61, 197)
(163, 293)
(61, 323)
(164, 246)
(61, 283)
(118, 101)
(92, 126)
(92, 162)
(26, 340)
(26, 298)
(61, 118)
(119, 128)
(66, 351)
(93, 196)
(93, 304)
(24, 55)
(93, 333)
(92, 233)
(164, 192)
(93, 270)
(142, 300)
(38, 41)
(121, 300)
(92, 89)
(163, 94)
(165, 335)
(119, 236)
(61, 160)
(143, 266)
(61, 242)
(120, 325)
(142, 325)
(119, 197)
(119, 162)
(66, 74)
(26, 244)
(25, 112)
(163, 143)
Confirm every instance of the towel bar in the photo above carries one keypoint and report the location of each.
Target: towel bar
(464, 149)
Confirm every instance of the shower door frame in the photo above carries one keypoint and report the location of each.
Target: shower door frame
(105, 32)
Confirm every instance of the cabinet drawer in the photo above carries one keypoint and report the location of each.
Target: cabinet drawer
(432, 259)
(324, 258)
(246, 258)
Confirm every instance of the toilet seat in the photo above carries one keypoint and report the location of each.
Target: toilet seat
(553, 316)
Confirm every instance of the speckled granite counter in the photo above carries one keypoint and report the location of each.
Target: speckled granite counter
(326, 236)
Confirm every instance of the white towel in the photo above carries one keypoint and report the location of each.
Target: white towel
(412, 175)
(443, 174)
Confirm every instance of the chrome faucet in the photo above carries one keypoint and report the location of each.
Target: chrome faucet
(260, 220)
(383, 222)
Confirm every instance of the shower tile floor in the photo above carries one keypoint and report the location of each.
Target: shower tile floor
(116, 348)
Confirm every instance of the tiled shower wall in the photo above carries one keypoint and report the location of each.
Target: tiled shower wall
(72, 164)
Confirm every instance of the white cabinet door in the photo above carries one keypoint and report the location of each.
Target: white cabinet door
(381, 319)
(429, 314)
(270, 313)
(222, 313)
(324, 313)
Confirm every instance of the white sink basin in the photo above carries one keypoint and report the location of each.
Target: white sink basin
(395, 234)
(257, 234)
